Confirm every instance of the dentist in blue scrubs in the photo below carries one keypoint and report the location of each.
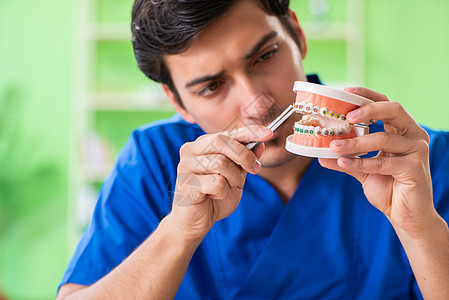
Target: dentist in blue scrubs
(188, 212)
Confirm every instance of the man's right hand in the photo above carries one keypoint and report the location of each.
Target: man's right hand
(211, 175)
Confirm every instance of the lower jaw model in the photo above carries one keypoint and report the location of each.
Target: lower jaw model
(323, 119)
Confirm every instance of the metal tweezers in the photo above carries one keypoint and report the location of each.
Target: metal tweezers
(281, 119)
(274, 125)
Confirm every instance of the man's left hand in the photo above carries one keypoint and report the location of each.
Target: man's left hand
(397, 180)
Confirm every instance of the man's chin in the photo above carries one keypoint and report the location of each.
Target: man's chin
(275, 154)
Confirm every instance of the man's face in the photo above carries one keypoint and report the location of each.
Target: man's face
(240, 71)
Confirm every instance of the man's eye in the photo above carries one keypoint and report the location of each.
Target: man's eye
(267, 56)
(210, 89)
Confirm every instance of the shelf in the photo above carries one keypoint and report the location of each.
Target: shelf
(126, 101)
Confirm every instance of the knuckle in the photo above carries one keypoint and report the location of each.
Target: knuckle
(371, 108)
(181, 167)
(222, 163)
(385, 139)
(354, 143)
(397, 106)
(220, 182)
(415, 162)
(219, 141)
(422, 146)
(185, 149)
(425, 136)
(381, 163)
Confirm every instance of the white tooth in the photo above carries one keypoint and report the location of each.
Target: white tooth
(306, 119)
(331, 114)
(308, 108)
(311, 129)
(339, 131)
(331, 132)
(301, 106)
(296, 107)
(342, 117)
(325, 131)
(347, 129)
(306, 129)
(316, 110)
(323, 111)
(301, 129)
(336, 116)
(318, 131)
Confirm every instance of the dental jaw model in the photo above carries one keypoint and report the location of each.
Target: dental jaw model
(323, 120)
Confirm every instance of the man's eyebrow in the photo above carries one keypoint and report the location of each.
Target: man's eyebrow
(204, 79)
(265, 39)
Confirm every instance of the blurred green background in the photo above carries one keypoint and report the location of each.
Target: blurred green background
(70, 94)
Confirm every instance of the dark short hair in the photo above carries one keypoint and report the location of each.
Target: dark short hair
(165, 27)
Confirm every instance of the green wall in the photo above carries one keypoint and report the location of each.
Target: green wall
(36, 39)
(407, 56)
(406, 48)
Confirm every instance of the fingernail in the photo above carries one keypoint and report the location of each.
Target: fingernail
(353, 114)
(339, 142)
(344, 160)
(350, 89)
(264, 131)
(257, 166)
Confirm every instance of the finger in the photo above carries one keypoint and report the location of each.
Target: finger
(215, 164)
(193, 189)
(367, 93)
(215, 185)
(377, 165)
(250, 133)
(259, 151)
(387, 142)
(246, 134)
(223, 144)
(393, 115)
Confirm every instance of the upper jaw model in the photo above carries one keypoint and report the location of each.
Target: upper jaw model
(323, 119)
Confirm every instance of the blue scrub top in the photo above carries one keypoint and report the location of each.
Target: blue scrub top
(328, 242)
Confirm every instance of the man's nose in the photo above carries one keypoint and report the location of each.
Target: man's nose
(254, 102)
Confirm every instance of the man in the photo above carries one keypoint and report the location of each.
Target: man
(296, 230)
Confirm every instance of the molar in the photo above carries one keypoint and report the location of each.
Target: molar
(339, 131)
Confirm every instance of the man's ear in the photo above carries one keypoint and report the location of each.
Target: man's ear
(298, 29)
(184, 114)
